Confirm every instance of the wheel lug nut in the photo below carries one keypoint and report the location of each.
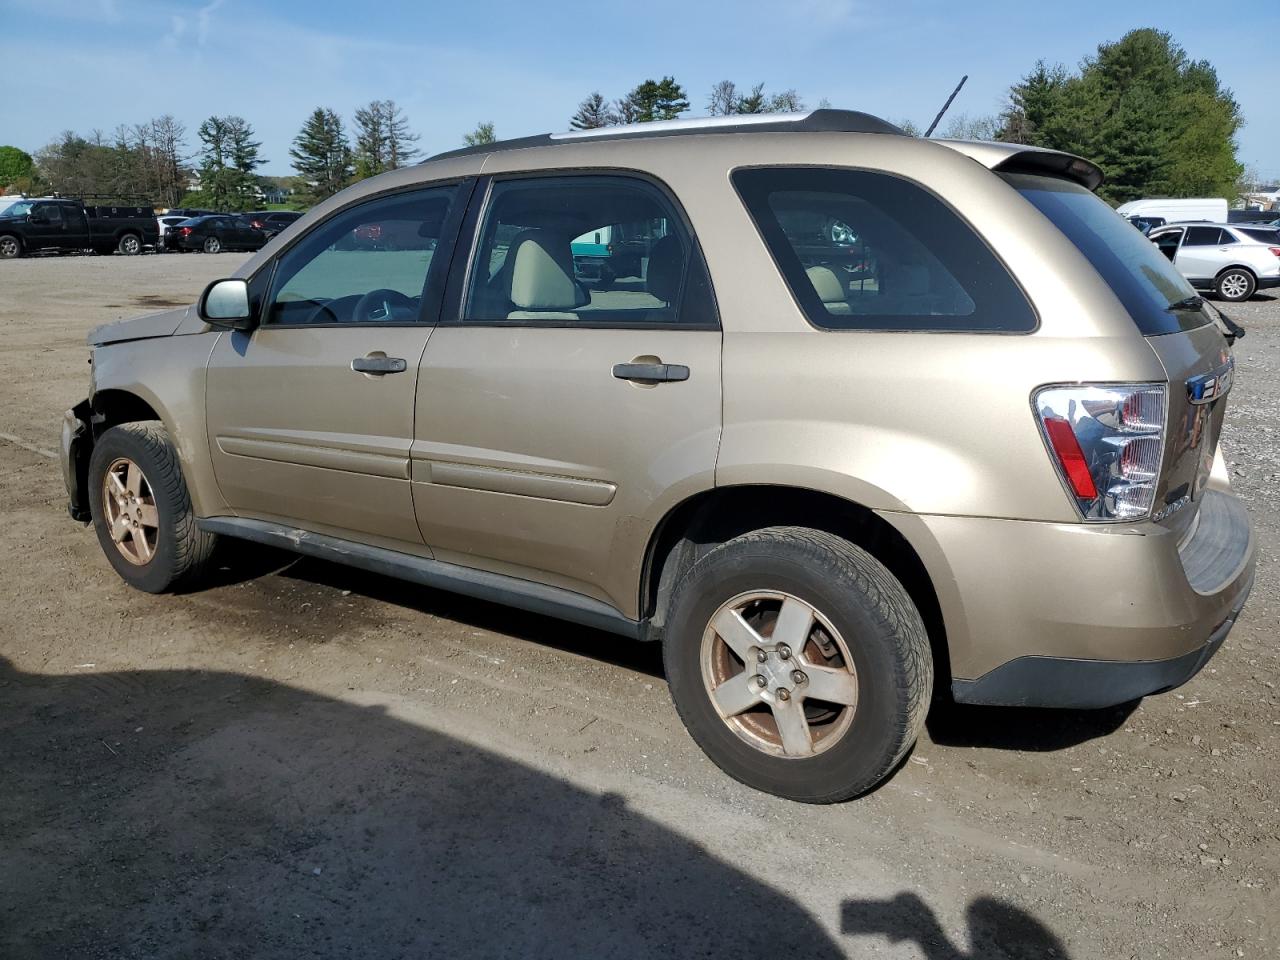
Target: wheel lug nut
(784, 693)
(759, 654)
(784, 652)
(798, 677)
(761, 682)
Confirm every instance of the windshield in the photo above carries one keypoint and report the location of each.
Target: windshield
(19, 209)
(1141, 277)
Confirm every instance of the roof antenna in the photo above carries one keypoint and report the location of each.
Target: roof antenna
(945, 106)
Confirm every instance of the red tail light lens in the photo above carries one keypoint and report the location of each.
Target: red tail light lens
(1108, 443)
(1275, 250)
(1071, 457)
(186, 231)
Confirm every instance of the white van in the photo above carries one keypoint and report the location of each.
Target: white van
(1212, 209)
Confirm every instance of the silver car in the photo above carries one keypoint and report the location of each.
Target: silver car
(1234, 260)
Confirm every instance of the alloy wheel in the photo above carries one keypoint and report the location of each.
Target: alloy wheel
(1235, 286)
(129, 508)
(779, 674)
(8, 248)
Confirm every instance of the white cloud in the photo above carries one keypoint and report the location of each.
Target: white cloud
(204, 19)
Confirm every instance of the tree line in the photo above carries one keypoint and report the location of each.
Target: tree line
(1156, 121)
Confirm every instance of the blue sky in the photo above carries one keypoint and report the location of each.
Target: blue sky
(85, 64)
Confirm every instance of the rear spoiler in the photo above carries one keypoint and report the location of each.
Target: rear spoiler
(1019, 158)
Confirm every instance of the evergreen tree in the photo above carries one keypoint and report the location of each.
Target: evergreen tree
(1157, 123)
(383, 140)
(482, 134)
(322, 156)
(227, 161)
(593, 113)
(653, 100)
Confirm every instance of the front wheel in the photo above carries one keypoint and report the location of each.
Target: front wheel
(213, 245)
(1235, 285)
(130, 245)
(142, 511)
(798, 663)
(10, 248)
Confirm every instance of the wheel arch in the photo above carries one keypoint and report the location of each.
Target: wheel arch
(1238, 266)
(705, 519)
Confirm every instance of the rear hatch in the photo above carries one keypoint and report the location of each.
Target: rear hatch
(1177, 324)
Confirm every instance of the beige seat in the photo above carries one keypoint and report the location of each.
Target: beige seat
(827, 285)
(539, 278)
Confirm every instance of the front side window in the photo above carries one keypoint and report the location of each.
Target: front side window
(51, 212)
(368, 264)
(598, 250)
(871, 251)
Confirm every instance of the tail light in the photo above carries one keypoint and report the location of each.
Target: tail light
(1108, 443)
(1275, 250)
(186, 231)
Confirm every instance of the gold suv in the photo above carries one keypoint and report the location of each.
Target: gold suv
(836, 414)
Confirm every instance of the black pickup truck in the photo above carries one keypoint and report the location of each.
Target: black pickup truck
(42, 224)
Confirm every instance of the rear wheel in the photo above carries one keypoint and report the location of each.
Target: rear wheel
(798, 663)
(212, 245)
(10, 247)
(130, 245)
(1235, 284)
(142, 511)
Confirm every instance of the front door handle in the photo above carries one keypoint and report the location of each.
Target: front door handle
(651, 372)
(378, 366)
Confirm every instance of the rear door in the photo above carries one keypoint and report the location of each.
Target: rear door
(558, 417)
(1204, 252)
(310, 416)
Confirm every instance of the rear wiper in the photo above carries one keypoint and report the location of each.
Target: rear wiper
(1187, 303)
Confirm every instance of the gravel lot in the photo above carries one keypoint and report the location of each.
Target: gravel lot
(303, 760)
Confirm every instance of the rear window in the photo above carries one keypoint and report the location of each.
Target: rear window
(863, 250)
(1140, 276)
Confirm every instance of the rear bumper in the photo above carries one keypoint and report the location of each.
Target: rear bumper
(1088, 684)
(1078, 615)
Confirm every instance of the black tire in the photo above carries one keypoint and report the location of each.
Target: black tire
(884, 634)
(10, 247)
(1235, 284)
(212, 245)
(129, 245)
(181, 551)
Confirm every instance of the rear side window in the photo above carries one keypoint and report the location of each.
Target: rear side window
(1262, 236)
(871, 251)
(585, 250)
(1143, 280)
(1206, 237)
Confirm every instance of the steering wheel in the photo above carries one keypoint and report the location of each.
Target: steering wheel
(378, 306)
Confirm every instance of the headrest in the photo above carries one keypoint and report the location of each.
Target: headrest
(541, 273)
(826, 284)
(666, 269)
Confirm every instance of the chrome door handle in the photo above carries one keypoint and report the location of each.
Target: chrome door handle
(651, 372)
(378, 366)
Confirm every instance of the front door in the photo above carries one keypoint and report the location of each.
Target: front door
(310, 416)
(558, 417)
(46, 227)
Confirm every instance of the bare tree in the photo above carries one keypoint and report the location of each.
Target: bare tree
(723, 100)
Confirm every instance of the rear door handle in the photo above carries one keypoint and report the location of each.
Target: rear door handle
(651, 372)
(378, 366)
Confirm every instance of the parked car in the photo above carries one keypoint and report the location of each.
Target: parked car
(1269, 217)
(988, 466)
(1182, 209)
(164, 223)
(272, 222)
(213, 234)
(1222, 257)
(30, 226)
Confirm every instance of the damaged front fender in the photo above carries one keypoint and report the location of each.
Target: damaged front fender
(75, 449)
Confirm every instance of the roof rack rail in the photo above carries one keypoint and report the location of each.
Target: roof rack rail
(809, 121)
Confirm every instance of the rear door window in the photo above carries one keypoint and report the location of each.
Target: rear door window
(1144, 281)
(863, 250)
(1203, 237)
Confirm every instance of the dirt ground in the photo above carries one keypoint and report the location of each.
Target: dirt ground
(302, 760)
